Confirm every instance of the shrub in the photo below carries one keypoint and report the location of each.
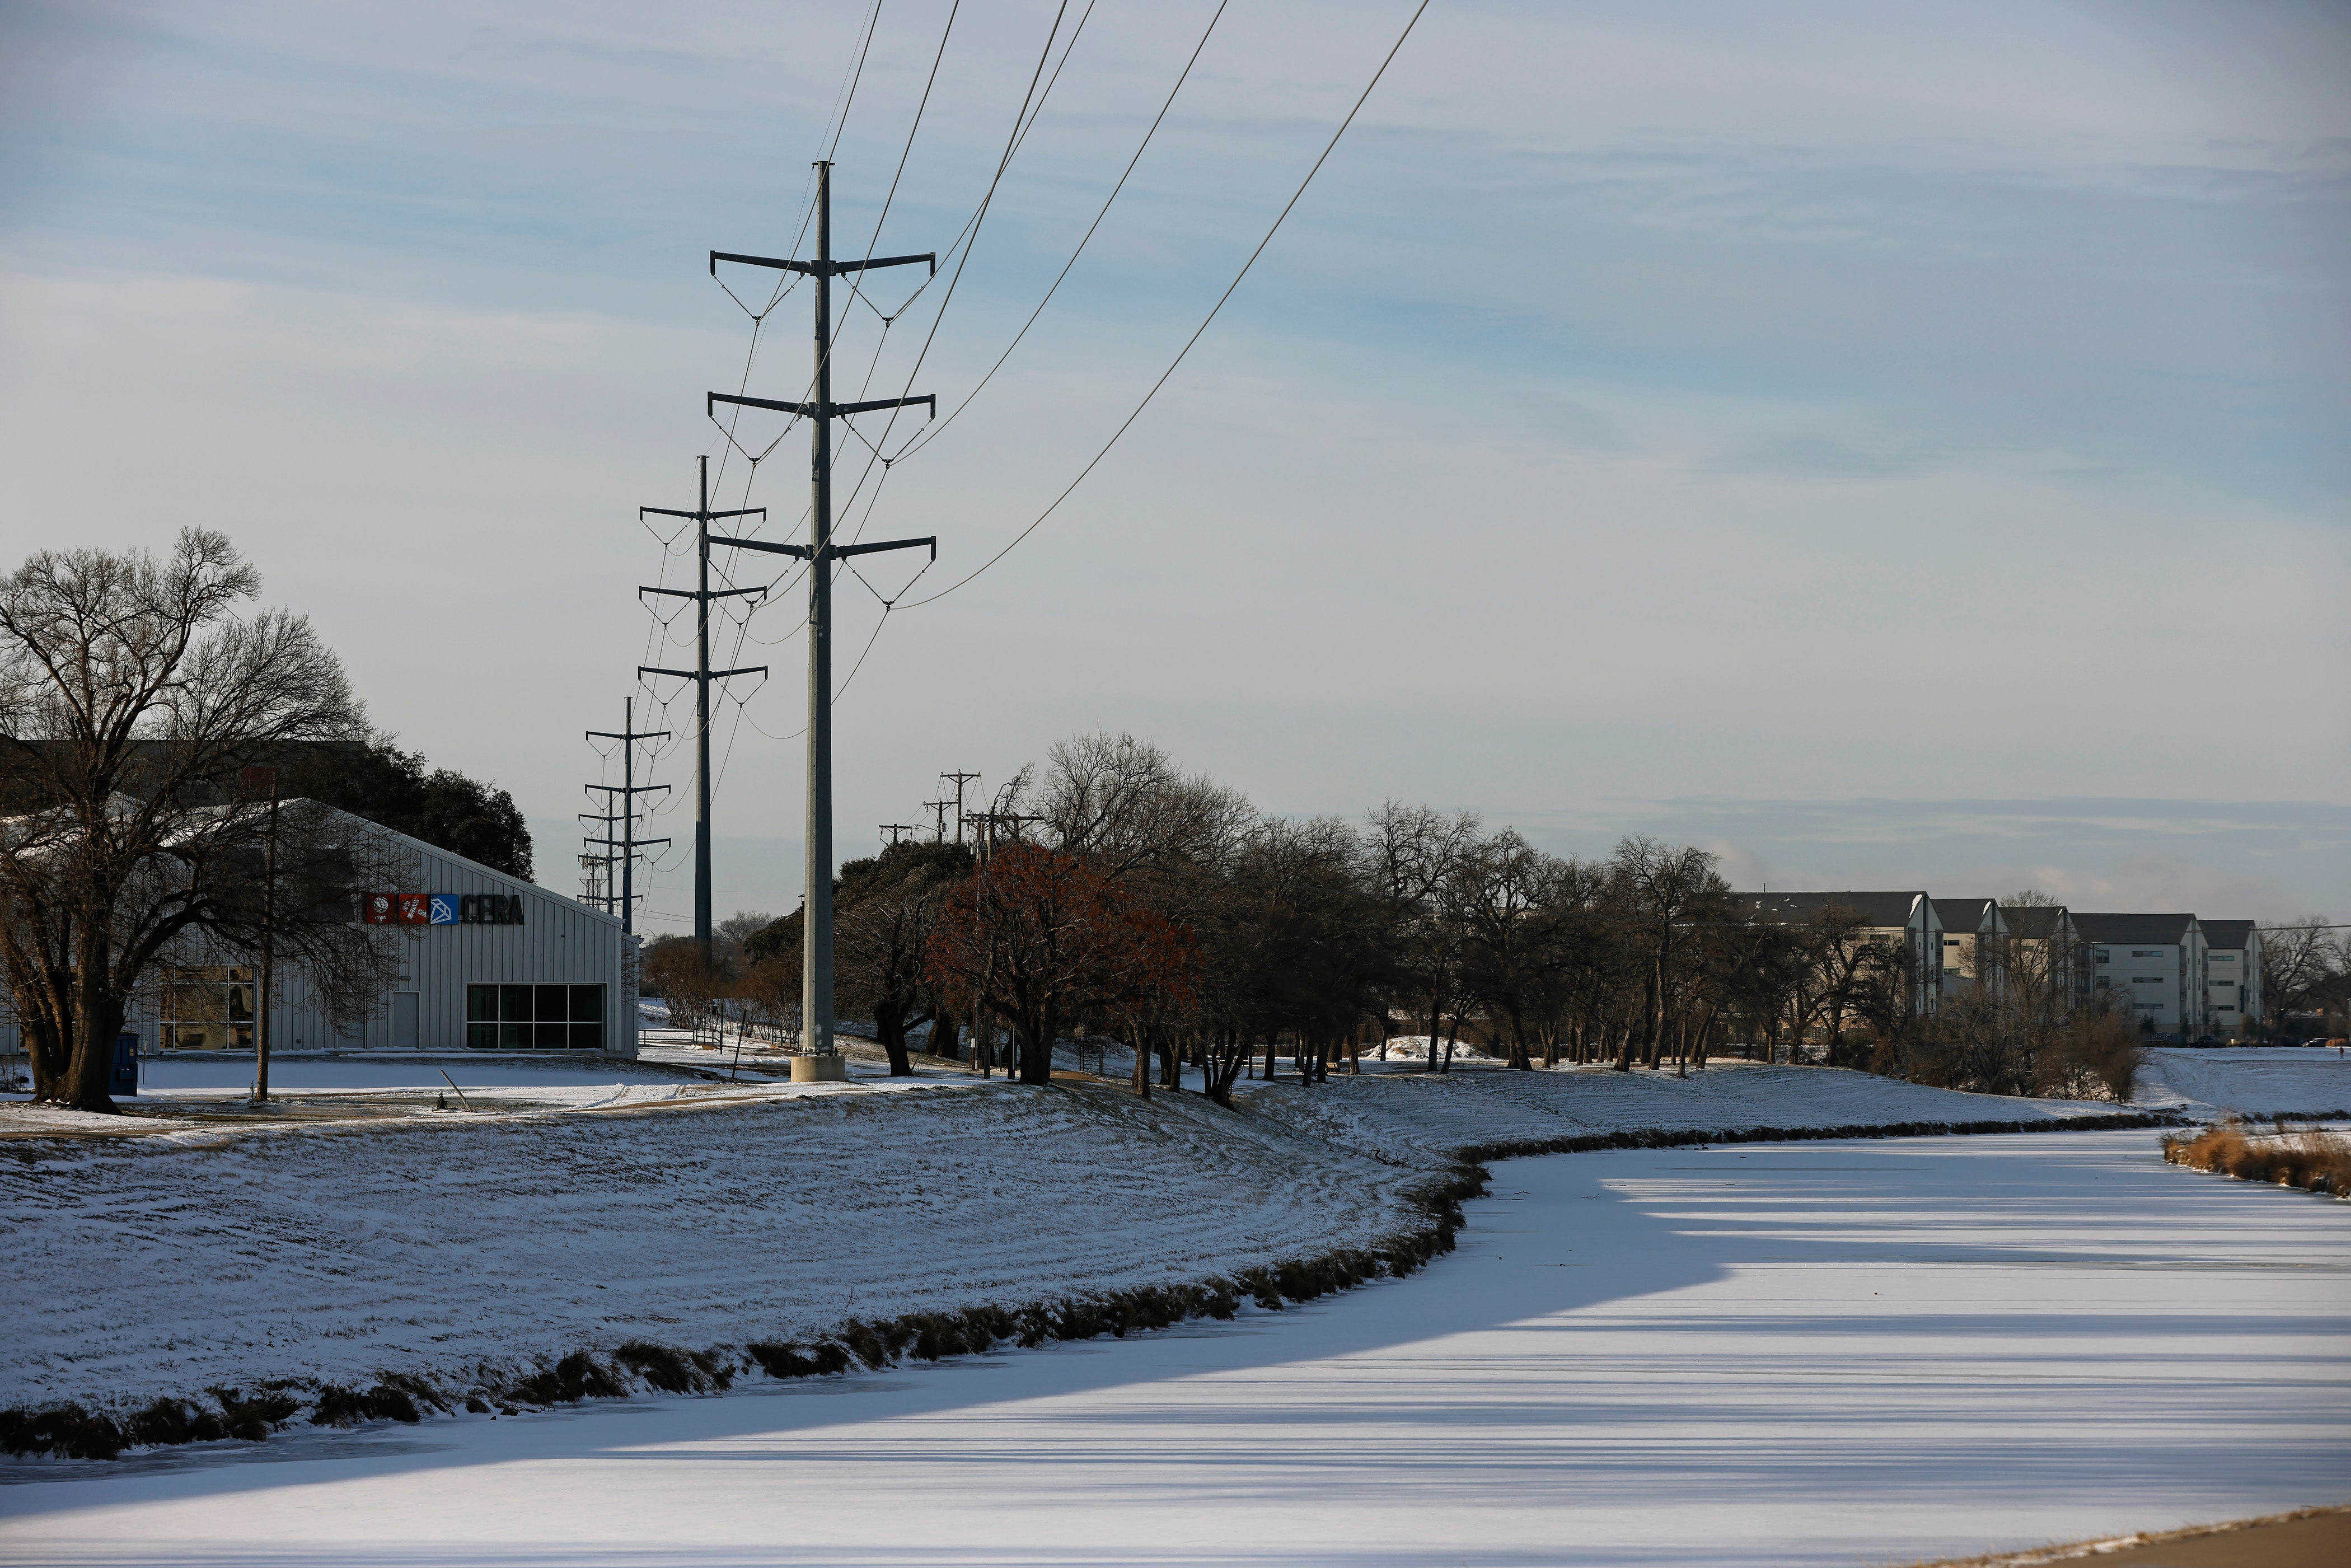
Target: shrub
(2312, 1159)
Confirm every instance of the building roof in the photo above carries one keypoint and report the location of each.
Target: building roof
(2236, 935)
(1967, 915)
(2033, 922)
(2172, 929)
(1874, 908)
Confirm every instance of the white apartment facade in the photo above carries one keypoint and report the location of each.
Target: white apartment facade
(2232, 976)
(1971, 928)
(2155, 961)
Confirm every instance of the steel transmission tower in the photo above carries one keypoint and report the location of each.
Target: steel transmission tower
(627, 845)
(821, 553)
(702, 675)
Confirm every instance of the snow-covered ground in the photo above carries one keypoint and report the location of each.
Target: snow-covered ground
(1423, 1118)
(169, 1075)
(433, 1243)
(1800, 1353)
(2283, 1080)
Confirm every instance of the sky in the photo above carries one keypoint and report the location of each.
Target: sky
(1887, 446)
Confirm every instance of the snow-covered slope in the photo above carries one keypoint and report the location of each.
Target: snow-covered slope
(2289, 1081)
(564, 1218)
(1425, 1120)
(147, 1267)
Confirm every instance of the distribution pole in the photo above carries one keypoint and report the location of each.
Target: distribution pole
(628, 789)
(702, 675)
(821, 553)
(898, 831)
(960, 780)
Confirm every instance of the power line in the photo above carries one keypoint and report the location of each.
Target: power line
(932, 433)
(1202, 328)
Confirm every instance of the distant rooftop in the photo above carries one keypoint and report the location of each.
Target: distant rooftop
(2033, 922)
(1788, 908)
(1962, 914)
(2227, 934)
(2172, 929)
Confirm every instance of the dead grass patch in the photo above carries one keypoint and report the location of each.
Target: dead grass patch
(2312, 1159)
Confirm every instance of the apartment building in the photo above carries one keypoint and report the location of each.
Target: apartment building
(2157, 961)
(2232, 976)
(1972, 928)
(1907, 920)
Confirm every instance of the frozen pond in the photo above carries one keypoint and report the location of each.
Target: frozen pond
(1790, 1353)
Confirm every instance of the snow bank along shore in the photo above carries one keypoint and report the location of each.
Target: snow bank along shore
(206, 1282)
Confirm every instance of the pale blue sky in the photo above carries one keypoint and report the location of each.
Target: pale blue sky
(1741, 423)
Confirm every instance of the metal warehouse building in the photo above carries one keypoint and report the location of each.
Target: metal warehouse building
(487, 962)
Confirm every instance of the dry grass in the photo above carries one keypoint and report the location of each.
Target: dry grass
(2309, 1157)
(2309, 1536)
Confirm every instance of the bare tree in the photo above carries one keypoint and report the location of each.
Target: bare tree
(2302, 967)
(133, 693)
(1663, 885)
(1414, 852)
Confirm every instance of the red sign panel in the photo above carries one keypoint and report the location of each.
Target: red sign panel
(380, 908)
(416, 909)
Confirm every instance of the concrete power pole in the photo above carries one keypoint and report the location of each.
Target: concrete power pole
(702, 675)
(821, 553)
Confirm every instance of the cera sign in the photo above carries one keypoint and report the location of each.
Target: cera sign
(443, 909)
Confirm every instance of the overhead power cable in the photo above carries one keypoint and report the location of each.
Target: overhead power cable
(1188, 343)
(933, 431)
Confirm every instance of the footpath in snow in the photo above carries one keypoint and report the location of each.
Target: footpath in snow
(1748, 1354)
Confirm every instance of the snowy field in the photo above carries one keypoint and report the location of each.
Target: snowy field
(1422, 1119)
(167, 1264)
(1800, 1353)
(2284, 1081)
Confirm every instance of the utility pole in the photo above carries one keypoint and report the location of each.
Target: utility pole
(628, 789)
(595, 878)
(983, 1025)
(898, 831)
(939, 809)
(256, 779)
(702, 675)
(960, 780)
(820, 552)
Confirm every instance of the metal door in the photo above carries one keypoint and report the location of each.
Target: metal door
(404, 1027)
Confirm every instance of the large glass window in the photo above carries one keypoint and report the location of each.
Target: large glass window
(535, 1017)
(206, 1010)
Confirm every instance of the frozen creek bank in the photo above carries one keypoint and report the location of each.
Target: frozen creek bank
(371, 1269)
(1784, 1355)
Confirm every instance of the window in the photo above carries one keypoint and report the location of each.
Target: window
(2102, 954)
(2146, 980)
(2146, 952)
(206, 1010)
(535, 1017)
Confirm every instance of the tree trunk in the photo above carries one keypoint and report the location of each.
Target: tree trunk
(889, 1033)
(98, 1019)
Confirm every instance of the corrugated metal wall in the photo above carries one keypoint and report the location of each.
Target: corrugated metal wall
(558, 941)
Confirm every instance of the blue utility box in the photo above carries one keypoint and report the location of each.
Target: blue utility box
(124, 1077)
